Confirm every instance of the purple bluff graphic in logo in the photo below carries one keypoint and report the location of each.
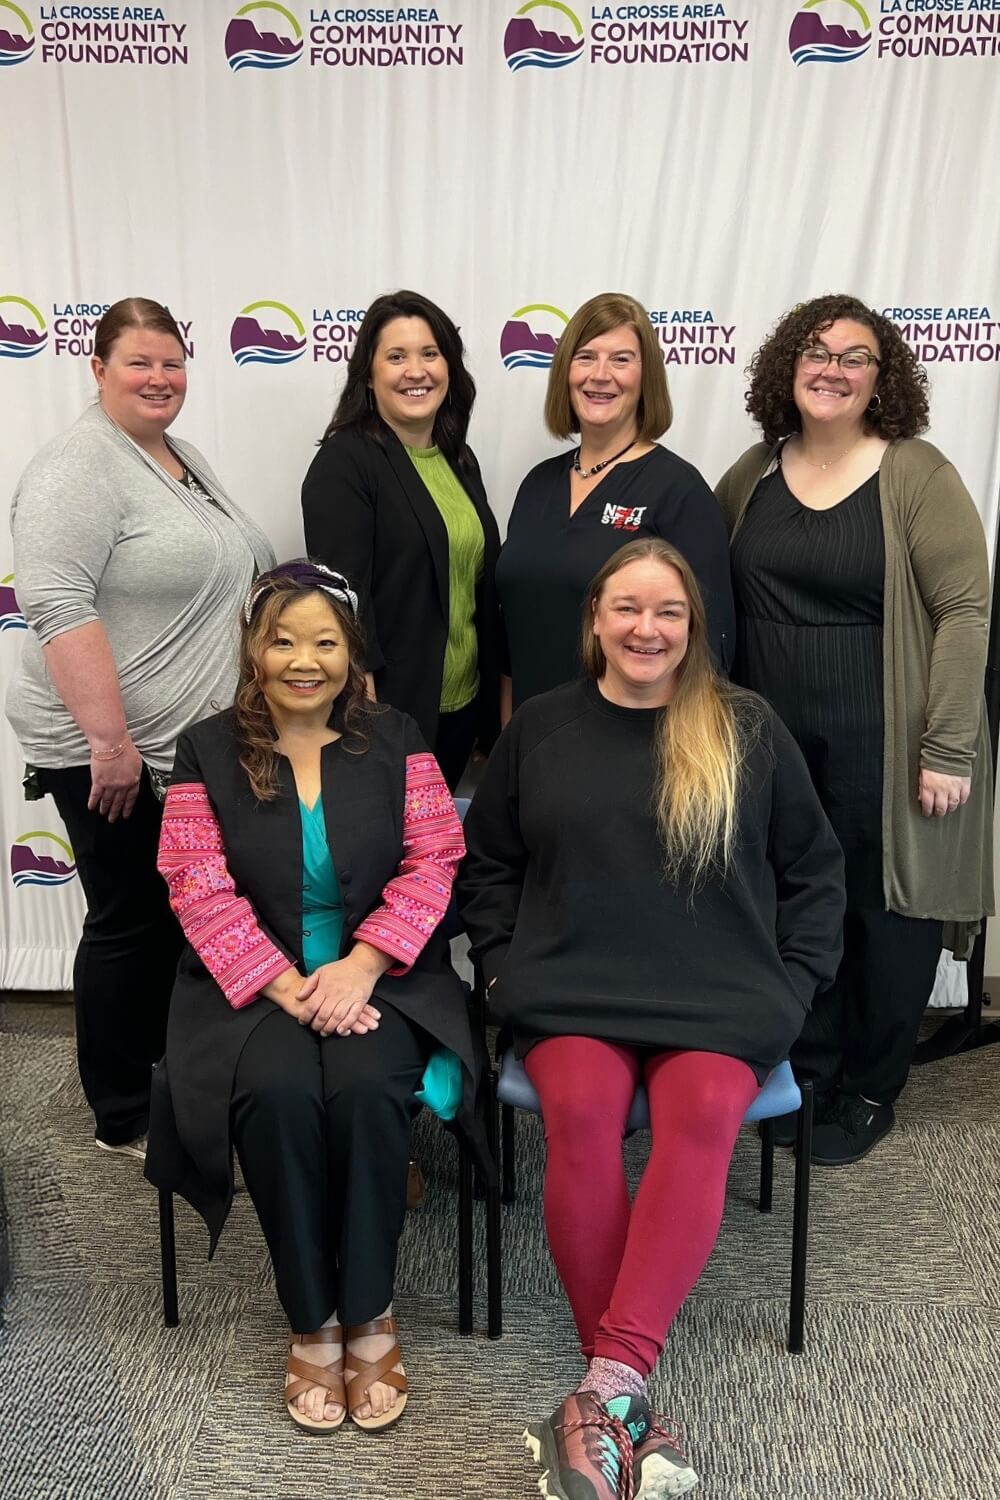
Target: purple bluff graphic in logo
(253, 344)
(11, 617)
(29, 866)
(18, 340)
(17, 41)
(525, 45)
(833, 40)
(248, 47)
(525, 346)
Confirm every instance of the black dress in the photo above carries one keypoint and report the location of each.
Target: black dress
(808, 586)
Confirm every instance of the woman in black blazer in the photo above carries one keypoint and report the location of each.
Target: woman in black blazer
(395, 498)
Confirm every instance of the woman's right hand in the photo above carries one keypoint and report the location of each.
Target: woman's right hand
(114, 784)
(284, 992)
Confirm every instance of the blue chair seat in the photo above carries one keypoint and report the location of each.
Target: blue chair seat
(779, 1096)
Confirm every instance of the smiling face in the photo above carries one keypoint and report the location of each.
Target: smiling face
(834, 396)
(409, 379)
(642, 620)
(143, 382)
(303, 668)
(605, 382)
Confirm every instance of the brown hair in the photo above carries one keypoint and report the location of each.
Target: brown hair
(703, 734)
(132, 312)
(602, 314)
(254, 725)
(901, 387)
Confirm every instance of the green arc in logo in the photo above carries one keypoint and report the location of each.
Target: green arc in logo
(43, 833)
(545, 307)
(811, 4)
(23, 300)
(281, 308)
(267, 5)
(9, 5)
(552, 5)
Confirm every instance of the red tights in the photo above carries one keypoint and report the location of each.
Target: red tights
(627, 1269)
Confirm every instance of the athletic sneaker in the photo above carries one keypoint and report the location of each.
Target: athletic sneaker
(585, 1447)
(851, 1131)
(659, 1466)
(135, 1148)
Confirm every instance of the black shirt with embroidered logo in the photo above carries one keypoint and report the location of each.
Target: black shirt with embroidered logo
(550, 557)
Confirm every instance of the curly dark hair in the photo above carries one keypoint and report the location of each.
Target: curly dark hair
(901, 386)
(255, 728)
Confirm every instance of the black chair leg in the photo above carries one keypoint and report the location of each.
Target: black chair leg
(168, 1259)
(509, 1168)
(494, 1267)
(465, 1259)
(800, 1222)
(766, 1166)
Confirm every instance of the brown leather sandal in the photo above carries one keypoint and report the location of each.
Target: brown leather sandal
(364, 1375)
(330, 1377)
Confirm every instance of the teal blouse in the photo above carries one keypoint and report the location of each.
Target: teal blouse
(322, 934)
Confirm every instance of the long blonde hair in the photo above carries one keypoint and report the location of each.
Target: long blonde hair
(703, 734)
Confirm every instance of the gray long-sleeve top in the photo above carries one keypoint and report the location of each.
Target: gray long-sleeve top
(102, 532)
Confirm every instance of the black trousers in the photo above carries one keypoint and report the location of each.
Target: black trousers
(860, 1034)
(124, 969)
(456, 735)
(322, 1131)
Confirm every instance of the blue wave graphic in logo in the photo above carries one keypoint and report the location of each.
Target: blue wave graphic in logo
(42, 877)
(12, 622)
(527, 358)
(259, 355)
(821, 52)
(261, 60)
(534, 57)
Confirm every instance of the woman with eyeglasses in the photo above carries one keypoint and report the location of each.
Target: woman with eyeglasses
(862, 589)
(572, 512)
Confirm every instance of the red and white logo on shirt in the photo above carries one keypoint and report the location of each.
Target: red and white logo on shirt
(623, 517)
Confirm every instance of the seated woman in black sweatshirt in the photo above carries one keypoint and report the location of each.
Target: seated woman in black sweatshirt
(654, 895)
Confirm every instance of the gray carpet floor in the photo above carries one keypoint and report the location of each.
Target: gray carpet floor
(894, 1396)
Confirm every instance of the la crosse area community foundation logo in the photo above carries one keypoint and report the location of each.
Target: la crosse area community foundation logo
(11, 617)
(17, 35)
(33, 860)
(531, 345)
(263, 35)
(267, 340)
(542, 34)
(829, 31)
(22, 329)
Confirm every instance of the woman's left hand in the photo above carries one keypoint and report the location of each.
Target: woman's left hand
(939, 794)
(335, 996)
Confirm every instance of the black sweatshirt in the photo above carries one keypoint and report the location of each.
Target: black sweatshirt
(563, 895)
(549, 557)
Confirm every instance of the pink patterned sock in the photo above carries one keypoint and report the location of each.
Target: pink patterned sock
(607, 1379)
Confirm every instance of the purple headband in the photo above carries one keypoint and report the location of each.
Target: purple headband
(306, 575)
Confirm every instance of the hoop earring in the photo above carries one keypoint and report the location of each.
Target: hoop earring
(875, 404)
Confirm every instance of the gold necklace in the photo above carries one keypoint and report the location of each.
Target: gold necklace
(830, 461)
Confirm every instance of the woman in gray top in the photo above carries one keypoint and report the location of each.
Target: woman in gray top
(131, 564)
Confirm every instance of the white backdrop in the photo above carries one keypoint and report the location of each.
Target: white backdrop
(718, 161)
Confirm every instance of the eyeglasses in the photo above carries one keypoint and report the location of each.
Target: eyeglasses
(817, 357)
(624, 360)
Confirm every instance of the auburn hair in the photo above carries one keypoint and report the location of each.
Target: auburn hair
(704, 733)
(133, 312)
(255, 727)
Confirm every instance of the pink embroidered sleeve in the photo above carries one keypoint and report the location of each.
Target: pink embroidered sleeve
(221, 927)
(416, 899)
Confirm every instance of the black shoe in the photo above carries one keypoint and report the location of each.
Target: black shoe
(850, 1131)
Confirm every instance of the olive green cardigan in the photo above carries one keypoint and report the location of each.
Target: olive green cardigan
(936, 610)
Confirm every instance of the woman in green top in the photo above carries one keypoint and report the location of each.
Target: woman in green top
(861, 586)
(395, 498)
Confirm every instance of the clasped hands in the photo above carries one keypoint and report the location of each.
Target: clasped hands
(336, 998)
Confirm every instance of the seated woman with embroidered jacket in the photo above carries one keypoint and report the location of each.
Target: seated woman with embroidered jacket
(309, 844)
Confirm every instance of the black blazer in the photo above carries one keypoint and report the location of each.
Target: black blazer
(189, 1137)
(367, 513)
